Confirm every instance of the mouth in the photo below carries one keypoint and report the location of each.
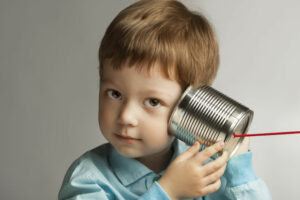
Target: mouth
(127, 139)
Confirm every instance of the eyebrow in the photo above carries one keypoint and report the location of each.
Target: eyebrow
(109, 83)
(157, 92)
(106, 80)
(146, 91)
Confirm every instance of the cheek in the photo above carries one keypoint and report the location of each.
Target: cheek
(157, 131)
(102, 119)
(105, 115)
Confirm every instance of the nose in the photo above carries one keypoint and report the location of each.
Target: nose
(128, 114)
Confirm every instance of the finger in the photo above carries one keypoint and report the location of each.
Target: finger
(210, 151)
(213, 177)
(194, 149)
(211, 187)
(215, 165)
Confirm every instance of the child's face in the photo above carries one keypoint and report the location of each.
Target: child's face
(134, 108)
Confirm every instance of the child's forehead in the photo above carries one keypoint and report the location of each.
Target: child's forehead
(132, 80)
(149, 70)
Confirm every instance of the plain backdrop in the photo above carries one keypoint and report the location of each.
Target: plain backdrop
(49, 85)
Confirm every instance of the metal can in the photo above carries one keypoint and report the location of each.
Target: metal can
(206, 115)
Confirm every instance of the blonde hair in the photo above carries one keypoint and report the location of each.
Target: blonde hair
(162, 31)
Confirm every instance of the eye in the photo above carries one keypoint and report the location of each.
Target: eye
(153, 103)
(114, 94)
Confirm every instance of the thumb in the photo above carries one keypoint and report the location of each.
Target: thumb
(194, 149)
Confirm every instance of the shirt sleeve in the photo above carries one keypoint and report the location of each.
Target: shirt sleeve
(155, 192)
(240, 181)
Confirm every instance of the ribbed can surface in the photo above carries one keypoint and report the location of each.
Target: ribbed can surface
(206, 115)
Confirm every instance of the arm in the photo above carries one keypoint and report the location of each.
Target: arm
(240, 181)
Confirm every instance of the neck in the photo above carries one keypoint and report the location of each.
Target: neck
(157, 162)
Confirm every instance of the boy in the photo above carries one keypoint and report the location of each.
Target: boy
(149, 54)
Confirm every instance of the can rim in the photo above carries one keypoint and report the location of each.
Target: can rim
(176, 110)
(249, 114)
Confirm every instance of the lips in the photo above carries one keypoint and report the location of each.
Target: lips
(127, 139)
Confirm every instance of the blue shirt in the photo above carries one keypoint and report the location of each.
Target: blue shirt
(103, 173)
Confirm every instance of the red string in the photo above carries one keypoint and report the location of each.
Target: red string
(266, 134)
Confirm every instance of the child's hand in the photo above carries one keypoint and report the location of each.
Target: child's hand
(186, 177)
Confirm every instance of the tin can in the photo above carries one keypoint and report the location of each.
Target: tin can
(206, 115)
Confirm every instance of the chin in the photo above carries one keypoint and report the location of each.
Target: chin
(128, 152)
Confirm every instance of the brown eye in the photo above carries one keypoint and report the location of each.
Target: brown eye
(153, 103)
(114, 94)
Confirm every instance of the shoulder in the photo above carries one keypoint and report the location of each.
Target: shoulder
(87, 173)
(95, 156)
(90, 163)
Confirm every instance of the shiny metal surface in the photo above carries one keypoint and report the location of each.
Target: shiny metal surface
(207, 115)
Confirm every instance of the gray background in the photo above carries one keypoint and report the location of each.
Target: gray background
(49, 85)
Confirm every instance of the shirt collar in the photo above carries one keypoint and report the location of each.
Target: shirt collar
(129, 170)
